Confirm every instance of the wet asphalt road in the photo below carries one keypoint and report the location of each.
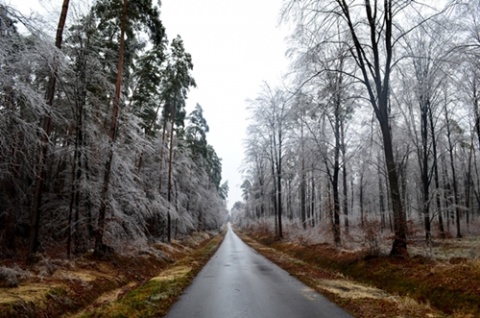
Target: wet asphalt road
(239, 282)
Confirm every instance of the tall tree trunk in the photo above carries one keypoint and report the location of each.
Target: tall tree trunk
(312, 200)
(361, 199)
(376, 71)
(279, 183)
(170, 171)
(436, 175)
(399, 246)
(344, 176)
(381, 199)
(333, 178)
(80, 100)
(447, 194)
(100, 248)
(468, 184)
(303, 183)
(162, 152)
(476, 111)
(454, 176)
(44, 140)
(274, 189)
(425, 172)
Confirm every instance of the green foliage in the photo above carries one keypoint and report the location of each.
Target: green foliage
(177, 82)
(142, 15)
(149, 82)
(196, 132)
(224, 190)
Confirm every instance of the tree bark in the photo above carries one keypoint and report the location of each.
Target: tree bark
(344, 176)
(454, 175)
(170, 168)
(101, 249)
(303, 183)
(436, 175)
(44, 140)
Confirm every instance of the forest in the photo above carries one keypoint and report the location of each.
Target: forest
(361, 175)
(375, 133)
(97, 151)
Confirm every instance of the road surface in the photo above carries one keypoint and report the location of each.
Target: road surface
(239, 282)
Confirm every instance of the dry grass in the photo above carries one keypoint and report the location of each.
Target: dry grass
(61, 288)
(154, 298)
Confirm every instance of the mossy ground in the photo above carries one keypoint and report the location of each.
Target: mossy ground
(156, 296)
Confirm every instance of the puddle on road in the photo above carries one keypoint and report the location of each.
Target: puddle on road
(309, 293)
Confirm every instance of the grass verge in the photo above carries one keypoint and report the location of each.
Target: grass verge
(156, 296)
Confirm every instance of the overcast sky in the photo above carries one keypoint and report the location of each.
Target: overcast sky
(235, 46)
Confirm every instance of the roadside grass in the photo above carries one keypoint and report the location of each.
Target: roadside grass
(156, 296)
(84, 286)
(379, 286)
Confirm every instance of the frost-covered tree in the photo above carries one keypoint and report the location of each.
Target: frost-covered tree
(105, 141)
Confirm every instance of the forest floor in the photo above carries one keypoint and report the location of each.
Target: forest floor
(444, 283)
(142, 285)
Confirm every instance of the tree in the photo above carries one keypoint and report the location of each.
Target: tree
(271, 110)
(44, 140)
(429, 55)
(20, 103)
(179, 82)
(373, 36)
(148, 16)
(102, 148)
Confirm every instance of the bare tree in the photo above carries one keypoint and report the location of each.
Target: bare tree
(374, 32)
(271, 111)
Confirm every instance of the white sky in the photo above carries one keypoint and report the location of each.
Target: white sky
(235, 46)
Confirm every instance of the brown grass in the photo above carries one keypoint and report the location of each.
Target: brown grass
(61, 288)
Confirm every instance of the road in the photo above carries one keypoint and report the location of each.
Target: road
(239, 282)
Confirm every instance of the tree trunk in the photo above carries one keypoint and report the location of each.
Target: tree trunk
(344, 176)
(303, 190)
(376, 72)
(170, 168)
(476, 109)
(381, 198)
(312, 200)
(399, 246)
(425, 172)
(333, 176)
(101, 249)
(436, 176)
(73, 220)
(279, 188)
(361, 199)
(44, 140)
(454, 176)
